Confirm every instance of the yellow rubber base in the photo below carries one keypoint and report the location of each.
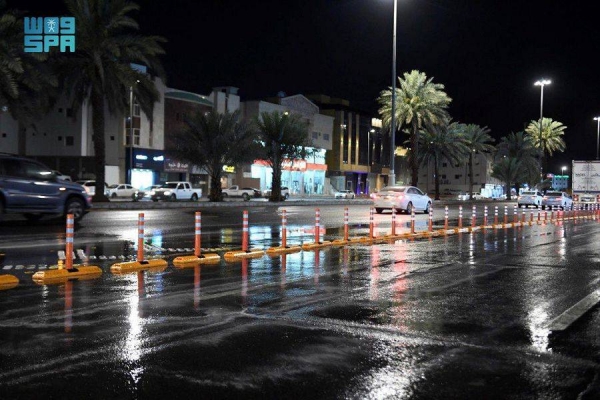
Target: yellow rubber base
(132, 266)
(315, 245)
(274, 251)
(8, 282)
(232, 256)
(340, 242)
(61, 275)
(192, 261)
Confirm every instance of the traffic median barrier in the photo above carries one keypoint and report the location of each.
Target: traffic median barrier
(245, 252)
(8, 281)
(197, 258)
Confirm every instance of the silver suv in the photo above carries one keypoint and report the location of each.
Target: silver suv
(30, 188)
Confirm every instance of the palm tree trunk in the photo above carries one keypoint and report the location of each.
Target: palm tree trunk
(276, 181)
(470, 175)
(508, 191)
(437, 177)
(414, 154)
(215, 185)
(97, 100)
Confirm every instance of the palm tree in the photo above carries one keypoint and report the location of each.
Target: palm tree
(212, 140)
(477, 140)
(100, 70)
(548, 139)
(283, 136)
(441, 143)
(507, 170)
(519, 146)
(419, 101)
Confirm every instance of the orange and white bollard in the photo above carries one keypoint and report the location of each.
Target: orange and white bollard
(505, 215)
(140, 250)
(495, 216)
(515, 215)
(430, 219)
(69, 242)
(317, 226)
(485, 216)
(245, 231)
(474, 217)
(531, 218)
(460, 216)
(197, 233)
(412, 221)
(393, 222)
(346, 228)
(446, 218)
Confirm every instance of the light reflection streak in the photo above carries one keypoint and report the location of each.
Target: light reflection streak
(244, 280)
(197, 272)
(400, 284)
(68, 306)
(132, 348)
(374, 275)
(539, 334)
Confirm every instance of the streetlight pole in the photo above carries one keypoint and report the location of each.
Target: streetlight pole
(541, 83)
(393, 122)
(130, 172)
(597, 138)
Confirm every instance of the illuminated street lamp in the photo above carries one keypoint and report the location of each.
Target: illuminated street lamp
(597, 137)
(542, 83)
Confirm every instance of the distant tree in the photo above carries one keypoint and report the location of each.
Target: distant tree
(100, 70)
(283, 136)
(477, 140)
(519, 146)
(548, 139)
(441, 143)
(419, 101)
(212, 140)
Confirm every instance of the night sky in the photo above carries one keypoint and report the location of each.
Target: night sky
(487, 53)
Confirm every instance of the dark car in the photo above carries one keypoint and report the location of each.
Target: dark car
(32, 189)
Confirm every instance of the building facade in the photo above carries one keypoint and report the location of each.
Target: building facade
(359, 156)
(302, 177)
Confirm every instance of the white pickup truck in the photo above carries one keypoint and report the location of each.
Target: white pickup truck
(235, 191)
(173, 191)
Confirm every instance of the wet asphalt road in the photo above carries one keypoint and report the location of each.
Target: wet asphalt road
(456, 317)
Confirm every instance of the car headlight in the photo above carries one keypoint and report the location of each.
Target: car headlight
(152, 192)
(167, 192)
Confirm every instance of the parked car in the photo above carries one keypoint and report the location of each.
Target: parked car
(90, 187)
(285, 193)
(530, 198)
(61, 176)
(140, 194)
(235, 191)
(557, 199)
(465, 196)
(32, 189)
(122, 190)
(401, 198)
(345, 194)
(176, 190)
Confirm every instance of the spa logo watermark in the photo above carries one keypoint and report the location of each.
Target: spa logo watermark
(44, 33)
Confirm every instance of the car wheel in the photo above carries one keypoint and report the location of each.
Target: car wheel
(113, 196)
(173, 197)
(287, 196)
(409, 208)
(75, 206)
(520, 205)
(32, 217)
(245, 196)
(352, 197)
(134, 197)
(428, 207)
(378, 210)
(224, 195)
(194, 197)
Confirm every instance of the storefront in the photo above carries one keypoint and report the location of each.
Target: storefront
(301, 177)
(148, 166)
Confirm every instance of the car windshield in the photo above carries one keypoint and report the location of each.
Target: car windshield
(170, 185)
(399, 189)
(528, 194)
(554, 194)
(112, 186)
